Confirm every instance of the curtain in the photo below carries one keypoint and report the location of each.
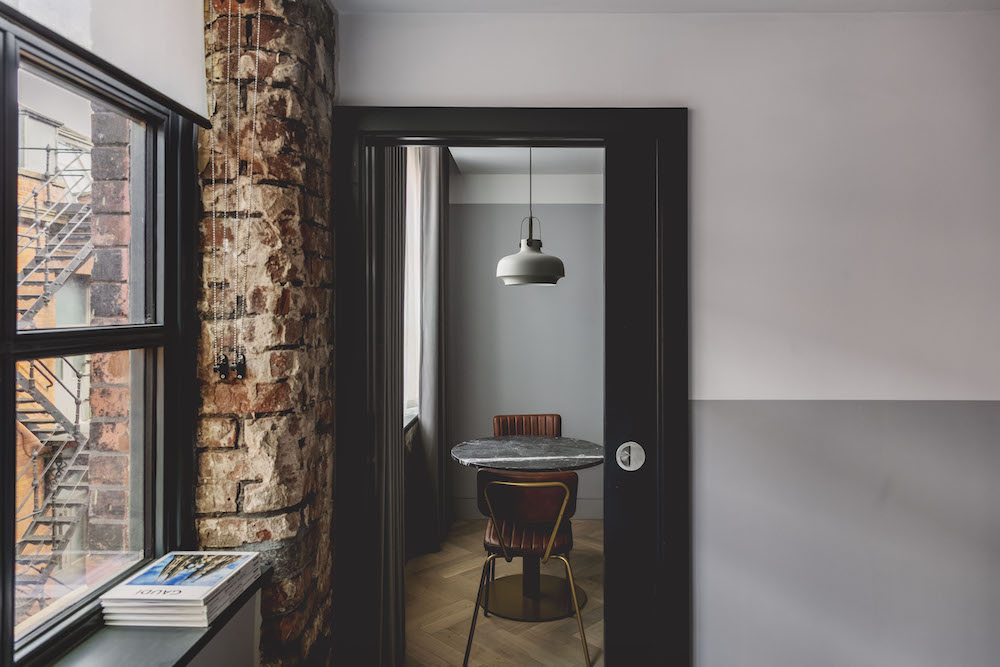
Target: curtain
(388, 238)
(414, 181)
(430, 516)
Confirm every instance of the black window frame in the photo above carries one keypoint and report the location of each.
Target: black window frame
(169, 344)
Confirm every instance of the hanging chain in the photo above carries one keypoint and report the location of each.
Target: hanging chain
(241, 327)
(219, 290)
(236, 177)
(216, 341)
(238, 285)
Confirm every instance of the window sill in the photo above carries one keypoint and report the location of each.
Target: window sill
(149, 647)
(410, 418)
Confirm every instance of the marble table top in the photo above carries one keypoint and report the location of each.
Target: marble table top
(529, 452)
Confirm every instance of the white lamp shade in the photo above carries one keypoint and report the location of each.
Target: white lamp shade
(530, 266)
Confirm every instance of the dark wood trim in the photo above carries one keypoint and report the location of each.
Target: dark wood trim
(8, 198)
(355, 570)
(53, 342)
(8, 319)
(8, 462)
(648, 600)
(675, 490)
(181, 357)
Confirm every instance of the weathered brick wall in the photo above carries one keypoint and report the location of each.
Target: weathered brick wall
(110, 449)
(265, 444)
(111, 218)
(110, 395)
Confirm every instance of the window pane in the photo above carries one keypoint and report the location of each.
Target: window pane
(78, 478)
(80, 201)
(411, 291)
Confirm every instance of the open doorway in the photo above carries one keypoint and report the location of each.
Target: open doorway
(646, 506)
(533, 349)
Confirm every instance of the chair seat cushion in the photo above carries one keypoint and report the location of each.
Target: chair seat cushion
(527, 540)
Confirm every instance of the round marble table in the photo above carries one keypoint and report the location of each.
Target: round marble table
(529, 453)
(530, 596)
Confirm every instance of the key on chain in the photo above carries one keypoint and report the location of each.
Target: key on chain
(240, 367)
(222, 367)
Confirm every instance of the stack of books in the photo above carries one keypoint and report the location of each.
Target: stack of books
(182, 589)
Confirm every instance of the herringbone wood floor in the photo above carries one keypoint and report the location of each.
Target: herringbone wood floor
(441, 591)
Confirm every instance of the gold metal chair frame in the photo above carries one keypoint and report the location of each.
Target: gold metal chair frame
(489, 564)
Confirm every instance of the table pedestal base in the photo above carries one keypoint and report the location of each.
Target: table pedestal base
(507, 599)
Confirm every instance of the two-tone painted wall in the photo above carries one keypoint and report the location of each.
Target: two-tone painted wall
(845, 229)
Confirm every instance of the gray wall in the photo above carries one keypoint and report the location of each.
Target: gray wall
(847, 533)
(528, 349)
(844, 236)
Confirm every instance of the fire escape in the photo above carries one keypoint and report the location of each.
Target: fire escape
(57, 238)
(54, 233)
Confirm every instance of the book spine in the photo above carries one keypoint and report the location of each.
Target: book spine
(217, 608)
(240, 580)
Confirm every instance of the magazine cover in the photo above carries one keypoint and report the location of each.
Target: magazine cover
(185, 575)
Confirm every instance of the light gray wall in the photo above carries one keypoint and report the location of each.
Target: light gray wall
(160, 43)
(515, 350)
(844, 173)
(847, 533)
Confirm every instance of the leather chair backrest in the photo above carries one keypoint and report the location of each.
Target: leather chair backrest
(526, 505)
(527, 425)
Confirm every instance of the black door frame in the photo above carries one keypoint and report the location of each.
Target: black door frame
(648, 524)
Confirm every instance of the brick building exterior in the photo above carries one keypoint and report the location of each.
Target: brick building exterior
(111, 443)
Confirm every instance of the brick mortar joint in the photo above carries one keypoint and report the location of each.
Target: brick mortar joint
(297, 508)
(248, 15)
(287, 85)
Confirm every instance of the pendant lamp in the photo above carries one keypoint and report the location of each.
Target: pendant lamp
(529, 265)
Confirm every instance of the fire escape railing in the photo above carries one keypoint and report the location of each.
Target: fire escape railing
(59, 472)
(58, 233)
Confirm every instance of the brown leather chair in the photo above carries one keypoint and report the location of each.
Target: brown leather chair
(528, 517)
(527, 425)
(545, 424)
(526, 508)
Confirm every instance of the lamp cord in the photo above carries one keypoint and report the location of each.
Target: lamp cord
(531, 215)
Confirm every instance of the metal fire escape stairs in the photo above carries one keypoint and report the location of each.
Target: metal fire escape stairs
(56, 227)
(58, 236)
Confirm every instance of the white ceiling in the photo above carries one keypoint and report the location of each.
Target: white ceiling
(654, 6)
(514, 160)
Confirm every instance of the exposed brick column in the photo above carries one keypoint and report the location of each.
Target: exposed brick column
(265, 444)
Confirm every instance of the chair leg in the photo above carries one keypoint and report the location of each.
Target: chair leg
(486, 592)
(569, 591)
(475, 610)
(576, 607)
